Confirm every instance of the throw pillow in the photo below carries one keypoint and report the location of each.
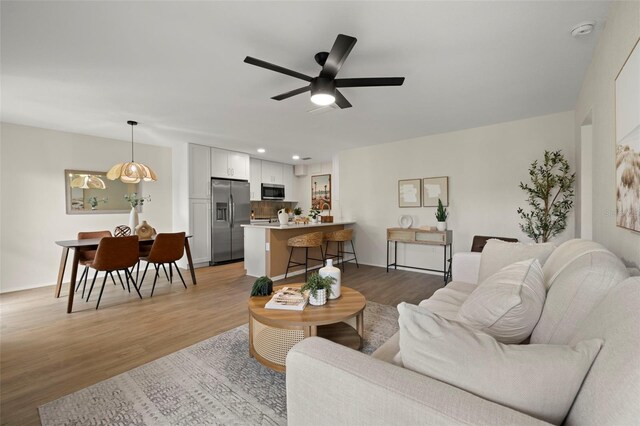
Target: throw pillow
(497, 254)
(508, 304)
(539, 380)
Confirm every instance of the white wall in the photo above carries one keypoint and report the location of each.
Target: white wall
(597, 97)
(33, 214)
(484, 166)
(302, 186)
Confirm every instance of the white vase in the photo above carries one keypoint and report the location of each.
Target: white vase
(332, 271)
(133, 220)
(283, 217)
(441, 226)
(320, 299)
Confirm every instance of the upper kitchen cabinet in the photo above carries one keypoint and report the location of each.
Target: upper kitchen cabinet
(255, 189)
(287, 180)
(229, 164)
(199, 171)
(272, 172)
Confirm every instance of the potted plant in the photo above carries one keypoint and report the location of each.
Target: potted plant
(262, 287)
(314, 214)
(441, 216)
(318, 287)
(297, 212)
(550, 196)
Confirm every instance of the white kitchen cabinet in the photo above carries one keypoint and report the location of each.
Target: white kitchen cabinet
(255, 182)
(200, 229)
(272, 172)
(287, 181)
(199, 171)
(229, 164)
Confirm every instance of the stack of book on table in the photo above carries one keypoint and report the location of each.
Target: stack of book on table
(288, 298)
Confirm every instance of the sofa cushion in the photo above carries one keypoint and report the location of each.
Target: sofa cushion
(539, 380)
(576, 288)
(507, 305)
(446, 301)
(565, 254)
(610, 393)
(498, 254)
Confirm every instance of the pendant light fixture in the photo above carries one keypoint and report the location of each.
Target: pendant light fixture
(132, 172)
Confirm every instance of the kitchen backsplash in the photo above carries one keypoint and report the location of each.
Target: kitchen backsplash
(269, 209)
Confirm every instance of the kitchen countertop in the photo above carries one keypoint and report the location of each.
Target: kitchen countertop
(294, 226)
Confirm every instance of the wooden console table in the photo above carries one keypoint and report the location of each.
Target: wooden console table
(420, 236)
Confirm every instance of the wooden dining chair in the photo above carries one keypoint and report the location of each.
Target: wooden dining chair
(167, 249)
(115, 254)
(87, 255)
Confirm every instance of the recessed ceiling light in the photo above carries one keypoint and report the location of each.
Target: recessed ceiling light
(296, 157)
(262, 150)
(583, 28)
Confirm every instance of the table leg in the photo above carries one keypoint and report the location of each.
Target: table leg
(444, 269)
(313, 330)
(387, 255)
(187, 249)
(360, 327)
(74, 276)
(250, 336)
(395, 255)
(63, 264)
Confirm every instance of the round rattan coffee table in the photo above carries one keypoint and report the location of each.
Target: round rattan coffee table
(272, 332)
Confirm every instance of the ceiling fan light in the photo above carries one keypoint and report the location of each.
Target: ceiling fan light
(323, 99)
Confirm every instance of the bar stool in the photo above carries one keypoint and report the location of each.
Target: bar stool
(340, 237)
(306, 242)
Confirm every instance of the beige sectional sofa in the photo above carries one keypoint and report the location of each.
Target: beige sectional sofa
(590, 295)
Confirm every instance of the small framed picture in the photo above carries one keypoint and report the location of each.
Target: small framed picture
(409, 193)
(435, 188)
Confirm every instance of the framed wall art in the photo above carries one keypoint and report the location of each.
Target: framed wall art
(321, 192)
(435, 188)
(627, 137)
(409, 193)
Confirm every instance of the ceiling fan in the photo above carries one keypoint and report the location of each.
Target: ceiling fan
(324, 87)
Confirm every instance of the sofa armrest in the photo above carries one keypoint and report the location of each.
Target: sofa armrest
(329, 384)
(465, 267)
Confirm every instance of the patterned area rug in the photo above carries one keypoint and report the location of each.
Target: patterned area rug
(213, 382)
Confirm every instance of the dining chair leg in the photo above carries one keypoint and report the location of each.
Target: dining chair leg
(104, 281)
(155, 278)
(144, 274)
(114, 281)
(92, 283)
(84, 274)
(126, 277)
(179, 274)
(165, 272)
(171, 272)
(134, 283)
(119, 277)
(84, 285)
(138, 270)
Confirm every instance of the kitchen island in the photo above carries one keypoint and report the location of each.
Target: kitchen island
(266, 251)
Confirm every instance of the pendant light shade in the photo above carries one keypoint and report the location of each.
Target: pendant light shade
(132, 172)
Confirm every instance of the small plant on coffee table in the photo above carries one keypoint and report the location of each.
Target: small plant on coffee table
(316, 283)
(262, 287)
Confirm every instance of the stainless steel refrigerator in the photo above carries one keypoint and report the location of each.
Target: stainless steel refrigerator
(230, 209)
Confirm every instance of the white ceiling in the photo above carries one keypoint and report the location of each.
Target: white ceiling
(177, 68)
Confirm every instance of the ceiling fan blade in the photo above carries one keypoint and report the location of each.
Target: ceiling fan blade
(291, 93)
(276, 68)
(372, 81)
(341, 101)
(339, 52)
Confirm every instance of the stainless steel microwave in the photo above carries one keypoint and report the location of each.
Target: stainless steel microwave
(272, 191)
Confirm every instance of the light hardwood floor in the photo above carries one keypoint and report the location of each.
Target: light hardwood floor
(46, 353)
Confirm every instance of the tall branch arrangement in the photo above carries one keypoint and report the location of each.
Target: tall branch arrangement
(550, 197)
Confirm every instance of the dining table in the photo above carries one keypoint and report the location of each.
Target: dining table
(92, 243)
